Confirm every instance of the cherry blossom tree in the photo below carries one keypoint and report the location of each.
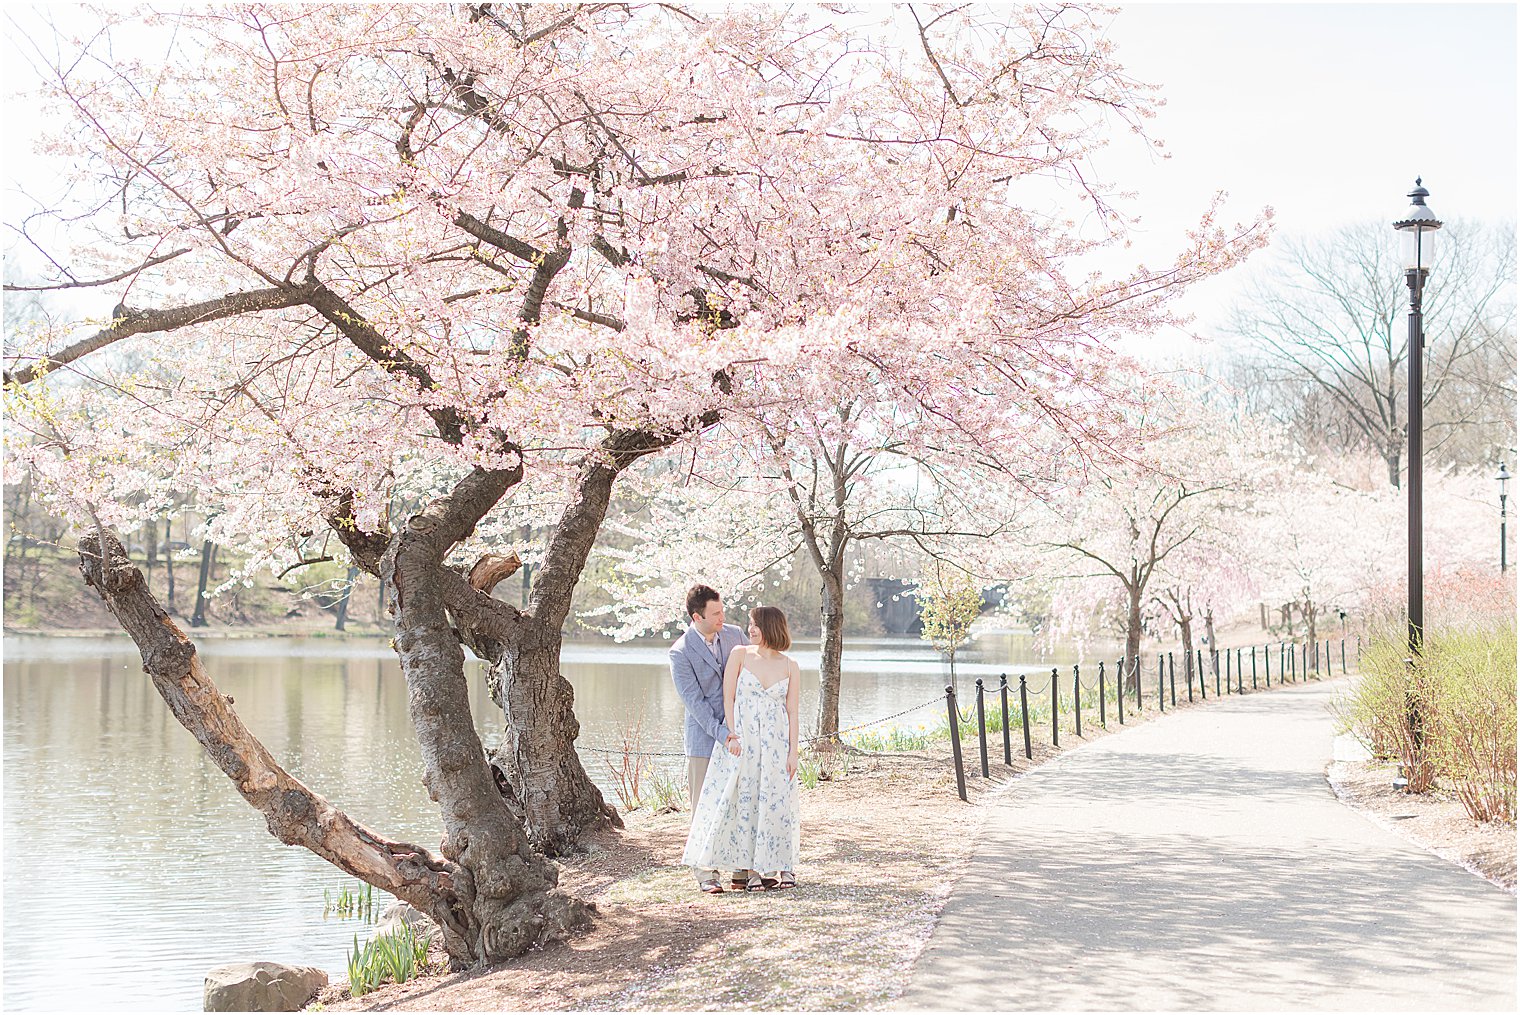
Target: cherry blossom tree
(1151, 520)
(389, 270)
(1336, 534)
(1210, 575)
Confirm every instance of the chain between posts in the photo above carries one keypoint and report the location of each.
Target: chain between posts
(805, 740)
(1289, 658)
(1226, 673)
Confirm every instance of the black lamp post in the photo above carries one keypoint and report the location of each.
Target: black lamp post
(1503, 496)
(1418, 229)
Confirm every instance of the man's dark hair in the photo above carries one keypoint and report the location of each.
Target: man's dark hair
(698, 597)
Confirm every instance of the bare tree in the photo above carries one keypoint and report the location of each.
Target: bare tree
(1327, 343)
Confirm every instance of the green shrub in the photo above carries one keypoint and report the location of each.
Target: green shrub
(669, 795)
(1446, 716)
(1473, 690)
(397, 956)
(1391, 709)
(807, 771)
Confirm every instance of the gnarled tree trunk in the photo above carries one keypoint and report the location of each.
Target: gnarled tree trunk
(540, 773)
(491, 900)
(504, 888)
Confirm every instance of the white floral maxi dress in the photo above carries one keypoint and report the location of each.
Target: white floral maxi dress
(747, 816)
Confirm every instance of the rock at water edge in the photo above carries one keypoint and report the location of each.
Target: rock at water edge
(262, 986)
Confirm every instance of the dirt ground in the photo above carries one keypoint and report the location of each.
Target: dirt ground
(871, 884)
(1433, 820)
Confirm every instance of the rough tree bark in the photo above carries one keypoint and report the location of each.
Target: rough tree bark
(541, 774)
(464, 904)
(539, 770)
(831, 651)
(507, 886)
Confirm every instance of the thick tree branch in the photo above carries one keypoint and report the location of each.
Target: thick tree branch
(129, 322)
(295, 815)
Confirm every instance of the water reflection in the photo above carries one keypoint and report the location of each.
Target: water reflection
(132, 866)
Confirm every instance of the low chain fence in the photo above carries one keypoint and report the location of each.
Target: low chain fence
(1095, 692)
(805, 740)
(1295, 662)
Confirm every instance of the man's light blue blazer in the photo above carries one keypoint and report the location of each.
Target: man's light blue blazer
(699, 681)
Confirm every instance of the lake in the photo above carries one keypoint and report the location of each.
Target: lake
(132, 866)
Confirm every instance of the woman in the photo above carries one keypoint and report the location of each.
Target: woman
(746, 818)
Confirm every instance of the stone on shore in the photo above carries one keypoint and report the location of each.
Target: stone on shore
(262, 986)
(399, 914)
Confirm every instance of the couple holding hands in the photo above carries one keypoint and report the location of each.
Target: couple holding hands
(741, 693)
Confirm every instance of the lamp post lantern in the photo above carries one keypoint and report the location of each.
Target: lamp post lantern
(1503, 478)
(1418, 231)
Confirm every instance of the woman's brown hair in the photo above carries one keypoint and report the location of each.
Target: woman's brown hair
(772, 624)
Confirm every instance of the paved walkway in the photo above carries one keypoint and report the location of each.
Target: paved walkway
(1202, 863)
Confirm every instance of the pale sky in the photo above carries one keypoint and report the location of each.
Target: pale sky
(1326, 112)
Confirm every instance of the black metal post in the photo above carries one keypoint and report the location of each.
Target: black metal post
(1503, 521)
(1076, 693)
(1415, 277)
(1214, 658)
(1119, 689)
(1161, 681)
(1187, 666)
(1024, 708)
(1240, 672)
(1227, 671)
(1343, 657)
(1203, 687)
(981, 723)
(1171, 673)
(1253, 667)
(1055, 707)
(1102, 698)
(1266, 660)
(1139, 704)
(955, 740)
(1007, 744)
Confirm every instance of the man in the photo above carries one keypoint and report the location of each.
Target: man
(696, 665)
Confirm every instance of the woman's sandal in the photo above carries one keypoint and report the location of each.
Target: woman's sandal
(757, 883)
(711, 886)
(786, 880)
(737, 884)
